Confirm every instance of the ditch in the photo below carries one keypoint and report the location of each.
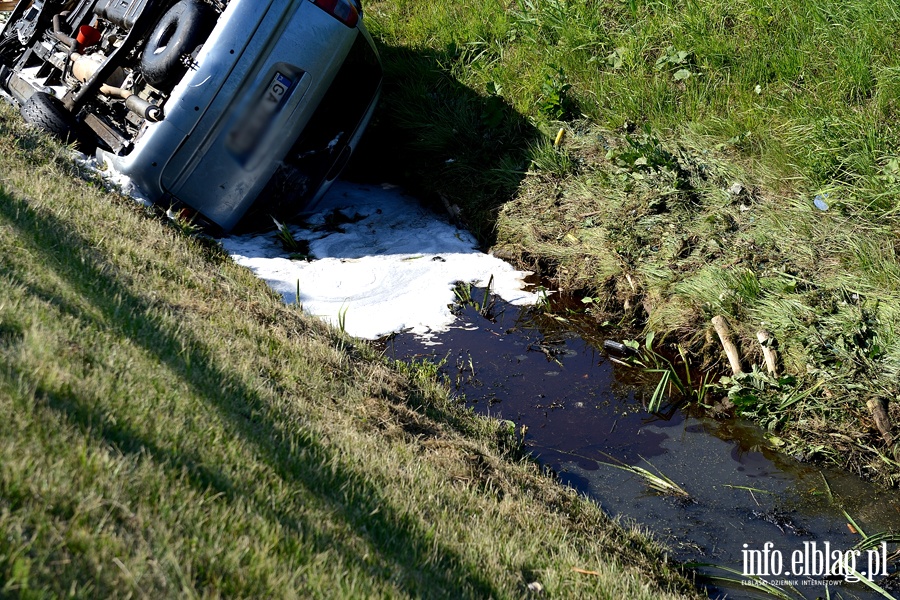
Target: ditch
(734, 498)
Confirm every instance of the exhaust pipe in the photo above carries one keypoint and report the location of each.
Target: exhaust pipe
(84, 67)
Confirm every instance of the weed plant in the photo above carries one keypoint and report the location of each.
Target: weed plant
(484, 307)
(297, 249)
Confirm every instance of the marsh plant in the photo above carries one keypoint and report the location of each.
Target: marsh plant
(465, 371)
(483, 303)
(677, 382)
(298, 248)
(755, 582)
(875, 540)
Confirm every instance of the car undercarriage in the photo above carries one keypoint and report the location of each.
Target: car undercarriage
(111, 61)
(208, 104)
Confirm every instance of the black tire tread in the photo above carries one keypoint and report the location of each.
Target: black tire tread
(48, 113)
(192, 22)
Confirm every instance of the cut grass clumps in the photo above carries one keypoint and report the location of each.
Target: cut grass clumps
(654, 480)
(171, 429)
(692, 241)
(719, 159)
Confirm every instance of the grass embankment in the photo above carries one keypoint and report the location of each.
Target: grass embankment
(171, 429)
(724, 158)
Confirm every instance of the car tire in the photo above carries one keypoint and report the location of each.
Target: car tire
(180, 31)
(48, 113)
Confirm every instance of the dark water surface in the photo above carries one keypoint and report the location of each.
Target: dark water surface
(584, 412)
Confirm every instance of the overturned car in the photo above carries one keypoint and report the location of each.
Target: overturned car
(216, 105)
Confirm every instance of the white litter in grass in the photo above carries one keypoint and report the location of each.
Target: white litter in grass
(390, 267)
(114, 179)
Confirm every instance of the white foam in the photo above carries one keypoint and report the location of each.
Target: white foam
(392, 269)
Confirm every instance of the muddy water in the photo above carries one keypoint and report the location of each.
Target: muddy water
(584, 413)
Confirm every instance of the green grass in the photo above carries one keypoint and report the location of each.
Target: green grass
(805, 89)
(666, 105)
(172, 429)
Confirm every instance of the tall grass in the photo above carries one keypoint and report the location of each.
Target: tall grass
(734, 158)
(810, 81)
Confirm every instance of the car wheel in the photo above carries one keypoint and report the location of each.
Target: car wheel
(48, 113)
(181, 30)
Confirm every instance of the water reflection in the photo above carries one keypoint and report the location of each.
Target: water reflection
(583, 413)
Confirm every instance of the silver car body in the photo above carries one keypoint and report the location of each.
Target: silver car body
(269, 110)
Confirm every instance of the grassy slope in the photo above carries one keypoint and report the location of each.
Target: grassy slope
(666, 105)
(171, 429)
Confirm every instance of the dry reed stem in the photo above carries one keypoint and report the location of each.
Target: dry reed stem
(882, 420)
(771, 356)
(724, 331)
